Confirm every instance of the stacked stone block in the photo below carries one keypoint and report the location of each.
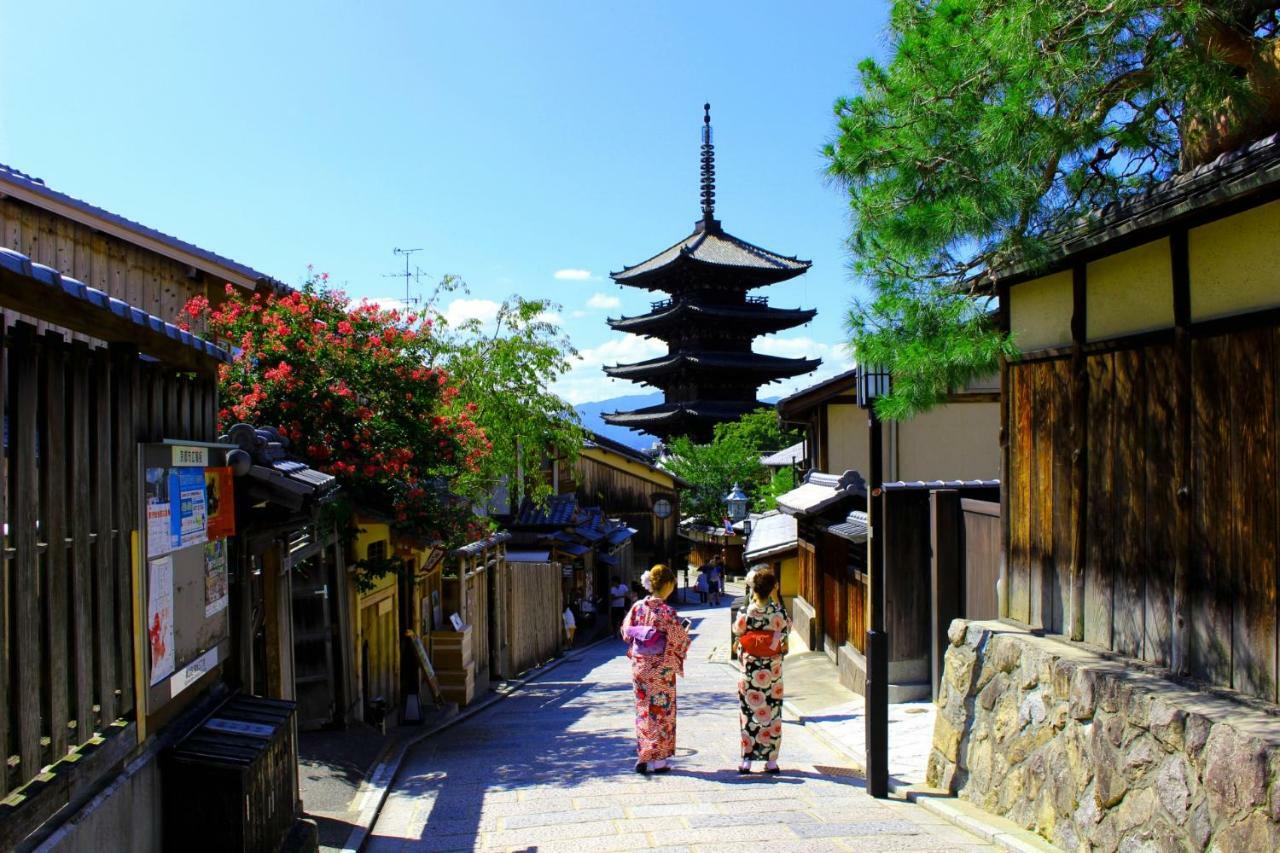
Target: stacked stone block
(1095, 753)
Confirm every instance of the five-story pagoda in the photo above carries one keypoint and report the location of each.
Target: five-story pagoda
(710, 373)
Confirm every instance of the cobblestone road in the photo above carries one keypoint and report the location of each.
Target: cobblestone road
(550, 768)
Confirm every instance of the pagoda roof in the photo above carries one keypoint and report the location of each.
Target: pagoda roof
(710, 247)
(671, 414)
(771, 365)
(758, 315)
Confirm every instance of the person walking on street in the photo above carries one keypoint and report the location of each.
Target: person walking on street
(617, 603)
(761, 630)
(715, 580)
(570, 625)
(657, 643)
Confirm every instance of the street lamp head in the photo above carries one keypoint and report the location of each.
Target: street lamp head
(736, 502)
(873, 383)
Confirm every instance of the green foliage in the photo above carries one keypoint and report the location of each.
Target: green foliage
(504, 371)
(998, 123)
(733, 456)
(782, 481)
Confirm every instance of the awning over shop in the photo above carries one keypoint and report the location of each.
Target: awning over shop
(819, 491)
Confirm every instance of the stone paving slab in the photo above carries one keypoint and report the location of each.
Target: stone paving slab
(550, 768)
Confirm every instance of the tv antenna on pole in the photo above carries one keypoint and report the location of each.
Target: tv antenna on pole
(416, 273)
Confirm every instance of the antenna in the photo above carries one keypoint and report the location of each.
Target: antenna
(415, 274)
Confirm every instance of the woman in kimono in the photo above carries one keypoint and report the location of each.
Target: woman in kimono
(657, 642)
(762, 627)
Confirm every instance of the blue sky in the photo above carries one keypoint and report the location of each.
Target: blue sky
(509, 141)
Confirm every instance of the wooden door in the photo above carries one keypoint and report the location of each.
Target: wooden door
(834, 571)
(981, 558)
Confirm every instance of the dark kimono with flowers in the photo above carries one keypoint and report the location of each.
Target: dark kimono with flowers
(654, 678)
(760, 687)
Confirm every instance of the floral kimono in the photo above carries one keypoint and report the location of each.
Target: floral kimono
(760, 688)
(654, 678)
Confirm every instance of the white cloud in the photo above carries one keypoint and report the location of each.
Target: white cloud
(578, 314)
(835, 360)
(461, 310)
(603, 301)
(574, 275)
(387, 303)
(587, 382)
(551, 317)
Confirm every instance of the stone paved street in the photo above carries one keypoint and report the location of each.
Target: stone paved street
(550, 768)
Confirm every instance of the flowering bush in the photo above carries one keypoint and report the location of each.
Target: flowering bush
(354, 391)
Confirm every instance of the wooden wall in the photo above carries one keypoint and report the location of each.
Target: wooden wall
(68, 490)
(156, 284)
(1134, 451)
(624, 495)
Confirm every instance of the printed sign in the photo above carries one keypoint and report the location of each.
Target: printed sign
(190, 457)
(239, 727)
(160, 618)
(191, 673)
(188, 507)
(156, 492)
(220, 503)
(458, 624)
(215, 578)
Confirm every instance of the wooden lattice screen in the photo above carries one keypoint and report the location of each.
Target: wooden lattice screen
(73, 416)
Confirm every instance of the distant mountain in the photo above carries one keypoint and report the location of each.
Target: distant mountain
(591, 417)
(592, 420)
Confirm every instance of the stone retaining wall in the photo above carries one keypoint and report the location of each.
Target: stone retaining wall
(1098, 754)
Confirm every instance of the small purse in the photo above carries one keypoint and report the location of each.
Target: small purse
(646, 640)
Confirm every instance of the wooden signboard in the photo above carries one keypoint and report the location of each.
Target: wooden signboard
(427, 669)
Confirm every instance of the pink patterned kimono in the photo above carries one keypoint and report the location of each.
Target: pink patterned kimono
(654, 678)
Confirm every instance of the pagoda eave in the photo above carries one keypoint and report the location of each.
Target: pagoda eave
(752, 364)
(758, 319)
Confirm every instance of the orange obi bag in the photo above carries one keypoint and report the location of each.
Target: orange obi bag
(760, 644)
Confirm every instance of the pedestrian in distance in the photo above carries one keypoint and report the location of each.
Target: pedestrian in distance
(715, 580)
(703, 584)
(761, 630)
(657, 642)
(570, 625)
(618, 593)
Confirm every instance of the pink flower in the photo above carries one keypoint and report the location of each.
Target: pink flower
(761, 678)
(776, 692)
(753, 698)
(762, 715)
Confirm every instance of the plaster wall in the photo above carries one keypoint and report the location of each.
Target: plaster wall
(127, 815)
(1232, 263)
(847, 440)
(1040, 312)
(1129, 292)
(956, 441)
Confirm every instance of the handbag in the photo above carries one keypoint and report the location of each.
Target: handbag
(646, 640)
(761, 644)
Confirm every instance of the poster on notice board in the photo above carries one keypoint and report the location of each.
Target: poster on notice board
(160, 618)
(220, 503)
(188, 507)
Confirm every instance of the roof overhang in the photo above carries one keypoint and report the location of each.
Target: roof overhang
(820, 491)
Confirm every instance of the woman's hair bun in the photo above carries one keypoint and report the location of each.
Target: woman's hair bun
(660, 576)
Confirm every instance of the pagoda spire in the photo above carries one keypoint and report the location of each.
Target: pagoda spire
(708, 222)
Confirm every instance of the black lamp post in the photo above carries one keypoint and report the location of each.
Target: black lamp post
(873, 383)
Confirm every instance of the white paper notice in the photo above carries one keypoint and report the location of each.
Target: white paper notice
(160, 618)
(157, 527)
(215, 578)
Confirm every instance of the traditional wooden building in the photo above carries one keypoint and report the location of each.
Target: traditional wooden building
(952, 450)
(710, 373)
(1142, 527)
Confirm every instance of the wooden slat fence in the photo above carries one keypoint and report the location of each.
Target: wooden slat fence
(1133, 452)
(74, 416)
(532, 599)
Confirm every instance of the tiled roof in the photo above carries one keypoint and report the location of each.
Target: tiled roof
(804, 399)
(672, 412)
(792, 455)
(717, 248)
(558, 512)
(273, 474)
(758, 317)
(771, 533)
(1233, 176)
(905, 485)
(770, 365)
(819, 491)
(64, 288)
(23, 186)
(482, 545)
(854, 528)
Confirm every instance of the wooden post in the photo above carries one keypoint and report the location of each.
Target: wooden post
(1179, 657)
(53, 486)
(26, 562)
(1006, 480)
(81, 556)
(946, 568)
(124, 363)
(1079, 449)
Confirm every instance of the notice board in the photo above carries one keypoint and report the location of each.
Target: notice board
(188, 507)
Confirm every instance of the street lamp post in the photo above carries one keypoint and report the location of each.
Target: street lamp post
(873, 383)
